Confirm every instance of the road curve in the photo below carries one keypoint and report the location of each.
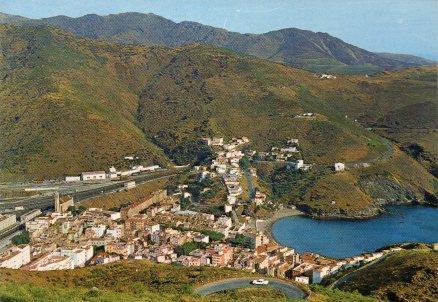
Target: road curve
(290, 290)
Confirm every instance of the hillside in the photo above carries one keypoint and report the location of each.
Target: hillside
(407, 58)
(140, 281)
(405, 276)
(70, 104)
(63, 106)
(317, 52)
(5, 18)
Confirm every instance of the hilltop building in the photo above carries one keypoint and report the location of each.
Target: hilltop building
(339, 167)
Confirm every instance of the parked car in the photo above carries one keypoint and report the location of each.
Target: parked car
(260, 282)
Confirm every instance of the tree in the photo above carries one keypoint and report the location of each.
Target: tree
(244, 163)
(287, 181)
(171, 188)
(192, 152)
(243, 241)
(214, 236)
(22, 238)
(187, 248)
(76, 211)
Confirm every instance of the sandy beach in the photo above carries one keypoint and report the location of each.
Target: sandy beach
(265, 226)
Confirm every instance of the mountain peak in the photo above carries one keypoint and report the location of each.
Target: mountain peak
(314, 51)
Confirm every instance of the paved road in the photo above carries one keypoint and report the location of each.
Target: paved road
(46, 202)
(290, 290)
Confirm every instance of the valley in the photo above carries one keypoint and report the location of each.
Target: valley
(150, 160)
(154, 102)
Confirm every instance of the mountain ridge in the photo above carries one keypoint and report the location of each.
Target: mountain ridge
(314, 51)
(70, 104)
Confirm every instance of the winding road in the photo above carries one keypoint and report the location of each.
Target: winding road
(290, 290)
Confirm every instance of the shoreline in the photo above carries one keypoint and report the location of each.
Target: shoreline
(266, 227)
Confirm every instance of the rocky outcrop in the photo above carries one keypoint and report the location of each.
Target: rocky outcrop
(340, 213)
(384, 190)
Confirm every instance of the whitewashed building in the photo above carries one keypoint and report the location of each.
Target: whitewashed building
(79, 256)
(129, 185)
(73, 178)
(15, 257)
(51, 262)
(319, 273)
(339, 167)
(302, 279)
(96, 175)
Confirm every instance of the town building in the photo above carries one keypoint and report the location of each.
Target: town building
(7, 220)
(215, 141)
(129, 185)
(50, 262)
(30, 215)
(15, 257)
(261, 239)
(62, 203)
(319, 273)
(79, 256)
(140, 205)
(302, 279)
(72, 178)
(96, 175)
(123, 249)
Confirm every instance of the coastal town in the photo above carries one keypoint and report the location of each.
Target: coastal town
(170, 226)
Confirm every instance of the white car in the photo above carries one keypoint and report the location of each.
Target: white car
(260, 282)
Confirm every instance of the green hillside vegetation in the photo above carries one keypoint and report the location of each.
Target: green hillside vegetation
(400, 106)
(141, 281)
(410, 275)
(314, 51)
(356, 193)
(63, 107)
(6, 18)
(71, 104)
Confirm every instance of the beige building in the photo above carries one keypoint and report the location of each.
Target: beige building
(140, 205)
(261, 239)
(62, 203)
(7, 221)
(120, 248)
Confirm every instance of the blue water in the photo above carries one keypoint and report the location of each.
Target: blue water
(346, 238)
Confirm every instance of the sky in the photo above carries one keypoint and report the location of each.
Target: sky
(399, 26)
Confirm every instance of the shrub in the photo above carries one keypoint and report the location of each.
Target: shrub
(214, 236)
(22, 238)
